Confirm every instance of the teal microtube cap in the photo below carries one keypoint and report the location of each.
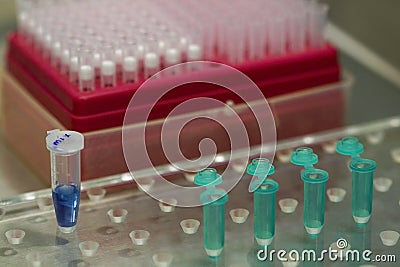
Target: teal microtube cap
(208, 176)
(260, 167)
(349, 146)
(304, 156)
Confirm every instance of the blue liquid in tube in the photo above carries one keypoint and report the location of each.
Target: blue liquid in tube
(66, 204)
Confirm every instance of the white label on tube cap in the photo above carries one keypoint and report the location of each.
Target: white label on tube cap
(194, 52)
(151, 60)
(130, 64)
(64, 142)
(108, 67)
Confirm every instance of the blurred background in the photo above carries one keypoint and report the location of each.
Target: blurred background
(374, 23)
(366, 33)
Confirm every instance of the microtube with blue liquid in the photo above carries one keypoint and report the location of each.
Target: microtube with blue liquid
(264, 200)
(362, 178)
(213, 200)
(65, 148)
(314, 189)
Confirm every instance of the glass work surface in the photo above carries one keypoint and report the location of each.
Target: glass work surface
(167, 238)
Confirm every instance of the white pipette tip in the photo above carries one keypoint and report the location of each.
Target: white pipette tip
(130, 64)
(151, 60)
(172, 56)
(86, 73)
(194, 52)
(108, 68)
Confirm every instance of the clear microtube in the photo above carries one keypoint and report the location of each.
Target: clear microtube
(108, 69)
(86, 70)
(314, 199)
(362, 191)
(130, 65)
(65, 147)
(316, 20)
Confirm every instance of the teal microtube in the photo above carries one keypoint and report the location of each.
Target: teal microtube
(214, 201)
(264, 200)
(362, 178)
(314, 189)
